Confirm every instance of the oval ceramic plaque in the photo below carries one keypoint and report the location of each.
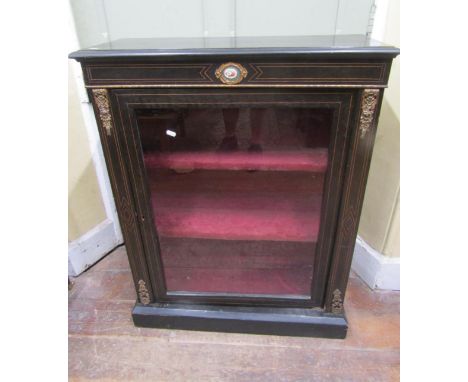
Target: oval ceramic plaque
(231, 73)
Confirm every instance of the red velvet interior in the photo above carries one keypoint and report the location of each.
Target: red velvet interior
(251, 267)
(251, 232)
(274, 206)
(230, 220)
(314, 160)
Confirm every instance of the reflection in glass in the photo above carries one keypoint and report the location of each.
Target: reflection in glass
(236, 196)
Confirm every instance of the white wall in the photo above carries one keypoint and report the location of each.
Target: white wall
(103, 20)
(93, 225)
(377, 255)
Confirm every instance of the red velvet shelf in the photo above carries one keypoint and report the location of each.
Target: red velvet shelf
(247, 254)
(312, 160)
(222, 266)
(276, 206)
(243, 281)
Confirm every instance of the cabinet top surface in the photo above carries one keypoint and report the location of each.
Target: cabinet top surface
(314, 46)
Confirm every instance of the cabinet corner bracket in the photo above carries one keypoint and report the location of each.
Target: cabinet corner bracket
(337, 302)
(369, 101)
(101, 98)
(143, 293)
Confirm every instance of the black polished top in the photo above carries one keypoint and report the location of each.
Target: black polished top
(323, 46)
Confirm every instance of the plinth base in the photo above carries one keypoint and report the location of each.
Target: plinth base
(234, 319)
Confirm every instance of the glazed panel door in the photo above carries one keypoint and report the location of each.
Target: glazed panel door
(236, 191)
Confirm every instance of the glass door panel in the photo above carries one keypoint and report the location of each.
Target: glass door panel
(236, 196)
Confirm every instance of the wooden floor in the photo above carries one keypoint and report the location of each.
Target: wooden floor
(104, 344)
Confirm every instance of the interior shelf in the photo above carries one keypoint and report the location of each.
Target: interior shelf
(311, 160)
(275, 206)
(212, 265)
(244, 281)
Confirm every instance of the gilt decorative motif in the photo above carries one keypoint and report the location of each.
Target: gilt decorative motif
(143, 293)
(337, 302)
(369, 101)
(101, 98)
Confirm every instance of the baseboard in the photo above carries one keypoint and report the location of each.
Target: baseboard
(91, 247)
(376, 270)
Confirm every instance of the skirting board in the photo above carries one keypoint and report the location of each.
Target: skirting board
(92, 246)
(376, 270)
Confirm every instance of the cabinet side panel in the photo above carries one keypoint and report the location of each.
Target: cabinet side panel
(334, 185)
(122, 192)
(133, 160)
(358, 164)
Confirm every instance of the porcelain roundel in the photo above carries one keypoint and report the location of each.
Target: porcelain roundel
(231, 73)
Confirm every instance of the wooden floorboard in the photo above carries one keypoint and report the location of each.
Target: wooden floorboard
(104, 345)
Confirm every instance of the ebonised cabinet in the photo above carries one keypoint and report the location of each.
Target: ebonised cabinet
(239, 166)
